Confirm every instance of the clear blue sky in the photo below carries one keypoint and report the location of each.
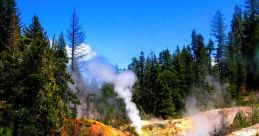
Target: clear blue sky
(120, 29)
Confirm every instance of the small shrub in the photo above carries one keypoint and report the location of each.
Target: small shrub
(240, 121)
(5, 131)
(255, 110)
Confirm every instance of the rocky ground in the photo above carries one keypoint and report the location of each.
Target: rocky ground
(249, 131)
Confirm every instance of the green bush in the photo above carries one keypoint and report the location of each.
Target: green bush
(240, 121)
(5, 131)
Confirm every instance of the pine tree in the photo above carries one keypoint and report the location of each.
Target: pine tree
(141, 70)
(250, 44)
(150, 76)
(218, 31)
(22, 83)
(62, 77)
(235, 61)
(165, 60)
(200, 58)
(194, 45)
(183, 64)
(10, 61)
(9, 24)
(164, 102)
(134, 66)
(188, 59)
(139, 66)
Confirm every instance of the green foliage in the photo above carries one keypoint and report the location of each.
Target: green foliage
(75, 127)
(6, 131)
(200, 58)
(160, 93)
(218, 31)
(251, 44)
(9, 25)
(254, 100)
(240, 121)
(235, 65)
(165, 107)
(35, 96)
(164, 82)
(111, 107)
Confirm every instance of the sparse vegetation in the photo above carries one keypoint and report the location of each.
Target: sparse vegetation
(254, 100)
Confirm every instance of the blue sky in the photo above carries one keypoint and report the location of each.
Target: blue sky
(119, 29)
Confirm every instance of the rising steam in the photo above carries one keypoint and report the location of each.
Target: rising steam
(203, 123)
(123, 82)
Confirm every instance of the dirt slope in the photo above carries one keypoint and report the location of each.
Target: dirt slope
(85, 127)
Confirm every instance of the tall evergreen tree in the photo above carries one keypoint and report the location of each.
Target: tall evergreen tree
(236, 65)
(134, 66)
(10, 61)
(165, 59)
(218, 31)
(250, 46)
(141, 70)
(164, 102)
(62, 77)
(183, 64)
(194, 45)
(9, 24)
(200, 58)
(150, 76)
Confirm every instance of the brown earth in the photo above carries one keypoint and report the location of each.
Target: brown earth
(85, 127)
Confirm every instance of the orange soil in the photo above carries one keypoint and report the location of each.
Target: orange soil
(85, 127)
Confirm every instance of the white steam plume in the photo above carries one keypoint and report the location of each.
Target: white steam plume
(123, 82)
(204, 123)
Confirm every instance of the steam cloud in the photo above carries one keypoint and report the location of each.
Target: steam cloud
(204, 123)
(123, 82)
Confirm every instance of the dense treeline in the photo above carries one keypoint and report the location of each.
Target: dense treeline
(164, 81)
(34, 85)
